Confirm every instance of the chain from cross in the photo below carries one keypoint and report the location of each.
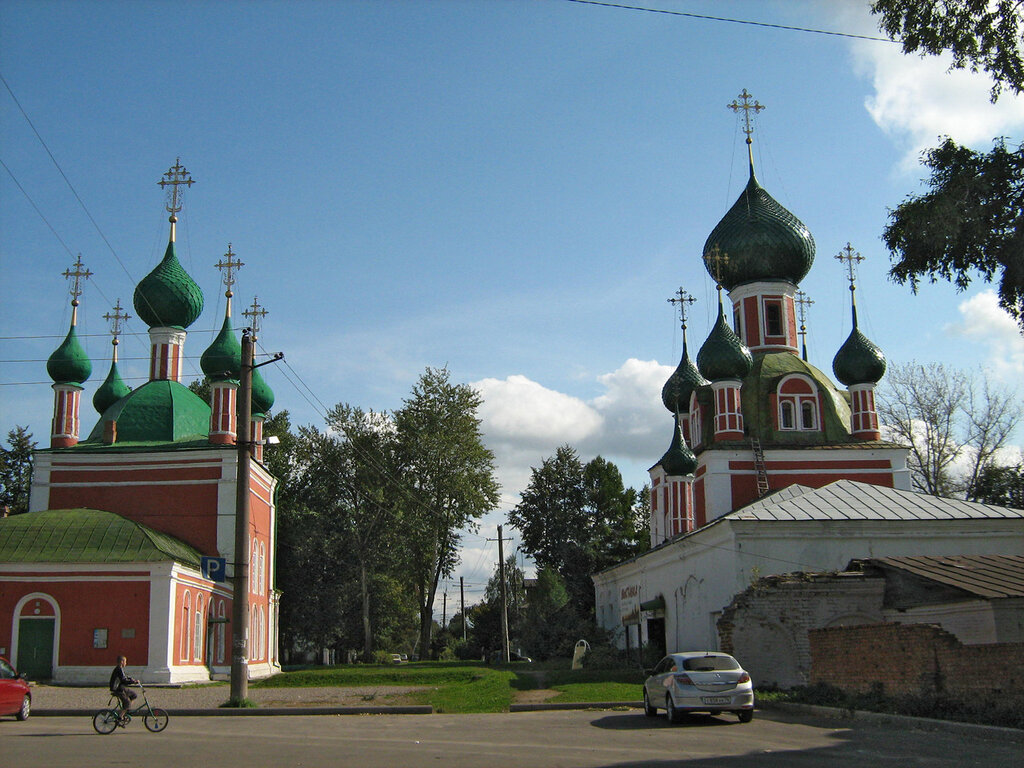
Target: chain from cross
(716, 261)
(803, 301)
(116, 319)
(747, 106)
(229, 267)
(76, 276)
(682, 298)
(849, 257)
(255, 313)
(174, 178)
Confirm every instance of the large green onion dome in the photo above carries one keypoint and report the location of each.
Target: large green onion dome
(262, 394)
(762, 241)
(680, 385)
(723, 355)
(69, 364)
(678, 459)
(111, 390)
(222, 360)
(858, 361)
(167, 297)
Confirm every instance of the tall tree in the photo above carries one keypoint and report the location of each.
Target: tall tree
(16, 470)
(1002, 486)
(972, 218)
(947, 421)
(447, 481)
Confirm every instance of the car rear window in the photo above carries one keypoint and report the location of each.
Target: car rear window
(709, 663)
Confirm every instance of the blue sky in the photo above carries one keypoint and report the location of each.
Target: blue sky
(511, 188)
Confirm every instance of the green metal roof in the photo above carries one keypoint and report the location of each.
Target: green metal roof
(167, 296)
(262, 394)
(762, 240)
(723, 355)
(678, 460)
(680, 385)
(87, 536)
(859, 360)
(111, 390)
(222, 360)
(69, 364)
(157, 412)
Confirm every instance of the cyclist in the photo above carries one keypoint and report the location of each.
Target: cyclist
(119, 682)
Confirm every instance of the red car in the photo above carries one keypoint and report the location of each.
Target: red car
(15, 697)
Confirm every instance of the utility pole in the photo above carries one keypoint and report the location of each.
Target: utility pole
(504, 599)
(462, 595)
(444, 609)
(240, 594)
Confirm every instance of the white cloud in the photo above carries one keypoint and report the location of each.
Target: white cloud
(524, 412)
(984, 320)
(917, 99)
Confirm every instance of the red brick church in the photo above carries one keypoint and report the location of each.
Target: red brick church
(109, 558)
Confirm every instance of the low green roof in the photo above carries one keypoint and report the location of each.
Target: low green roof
(87, 536)
(157, 412)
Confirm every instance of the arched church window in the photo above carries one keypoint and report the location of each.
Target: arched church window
(807, 411)
(186, 626)
(798, 404)
(786, 420)
(197, 638)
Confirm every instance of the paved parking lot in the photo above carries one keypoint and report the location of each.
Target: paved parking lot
(524, 740)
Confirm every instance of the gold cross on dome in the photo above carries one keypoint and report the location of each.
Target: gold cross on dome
(116, 319)
(747, 106)
(716, 261)
(803, 301)
(76, 277)
(849, 256)
(229, 267)
(255, 313)
(682, 299)
(174, 178)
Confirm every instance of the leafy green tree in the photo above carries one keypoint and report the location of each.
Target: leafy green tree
(446, 481)
(1002, 486)
(16, 470)
(972, 218)
(578, 519)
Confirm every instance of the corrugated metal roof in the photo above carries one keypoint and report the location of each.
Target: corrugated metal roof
(990, 576)
(87, 536)
(850, 500)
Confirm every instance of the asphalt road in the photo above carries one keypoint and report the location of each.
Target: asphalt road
(521, 740)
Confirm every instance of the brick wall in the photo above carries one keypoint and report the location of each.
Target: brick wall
(920, 659)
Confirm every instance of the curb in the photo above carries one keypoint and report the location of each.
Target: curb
(880, 718)
(256, 711)
(541, 707)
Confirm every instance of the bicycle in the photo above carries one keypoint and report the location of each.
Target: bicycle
(108, 720)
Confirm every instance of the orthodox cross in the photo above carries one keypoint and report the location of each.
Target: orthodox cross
(850, 257)
(76, 285)
(174, 178)
(803, 301)
(115, 321)
(229, 266)
(682, 298)
(748, 105)
(255, 313)
(716, 261)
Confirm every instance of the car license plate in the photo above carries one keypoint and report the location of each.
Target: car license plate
(715, 699)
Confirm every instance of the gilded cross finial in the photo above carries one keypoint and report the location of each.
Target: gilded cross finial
(748, 105)
(849, 257)
(682, 299)
(115, 321)
(228, 266)
(76, 277)
(255, 313)
(716, 262)
(176, 175)
(803, 301)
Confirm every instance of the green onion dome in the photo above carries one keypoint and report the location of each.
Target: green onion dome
(167, 297)
(858, 361)
(678, 459)
(262, 394)
(762, 240)
(723, 355)
(69, 364)
(111, 390)
(680, 385)
(222, 360)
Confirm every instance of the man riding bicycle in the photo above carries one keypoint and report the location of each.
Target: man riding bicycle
(119, 682)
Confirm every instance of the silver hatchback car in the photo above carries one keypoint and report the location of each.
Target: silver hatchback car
(698, 681)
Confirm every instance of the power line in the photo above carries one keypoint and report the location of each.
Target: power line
(747, 22)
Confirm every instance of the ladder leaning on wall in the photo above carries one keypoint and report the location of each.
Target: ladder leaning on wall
(759, 467)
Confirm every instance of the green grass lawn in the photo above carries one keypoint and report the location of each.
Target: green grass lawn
(462, 687)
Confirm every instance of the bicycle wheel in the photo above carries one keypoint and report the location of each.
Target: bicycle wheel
(156, 720)
(104, 721)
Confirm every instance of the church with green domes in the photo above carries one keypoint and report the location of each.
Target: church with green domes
(127, 527)
(771, 467)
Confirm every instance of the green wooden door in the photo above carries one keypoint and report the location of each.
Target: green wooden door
(35, 648)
